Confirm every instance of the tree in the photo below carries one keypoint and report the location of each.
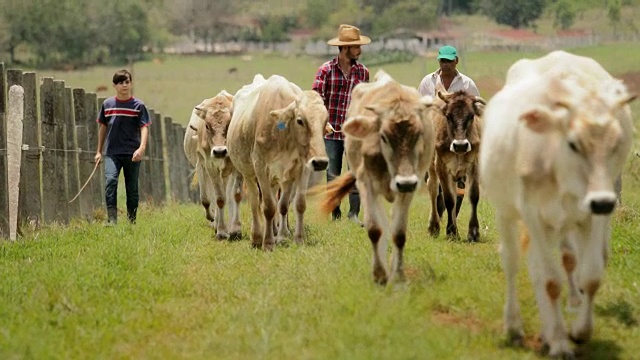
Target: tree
(515, 13)
(564, 14)
(408, 14)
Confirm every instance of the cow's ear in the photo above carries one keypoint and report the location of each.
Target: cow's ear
(442, 94)
(539, 120)
(360, 126)
(478, 105)
(200, 112)
(226, 94)
(285, 114)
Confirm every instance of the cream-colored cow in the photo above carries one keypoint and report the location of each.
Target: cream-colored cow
(205, 146)
(554, 140)
(389, 140)
(275, 141)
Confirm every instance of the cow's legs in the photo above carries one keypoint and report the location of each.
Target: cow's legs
(569, 262)
(400, 216)
(375, 221)
(205, 193)
(473, 234)
(300, 206)
(591, 268)
(269, 210)
(449, 193)
(283, 210)
(234, 196)
(219, 185)
(434, 218)
(253, 194)
(545, 273)
(509, 253)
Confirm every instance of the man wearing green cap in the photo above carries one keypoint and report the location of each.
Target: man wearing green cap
(451, 79)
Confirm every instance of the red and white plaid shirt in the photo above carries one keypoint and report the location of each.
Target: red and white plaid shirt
(335, 89)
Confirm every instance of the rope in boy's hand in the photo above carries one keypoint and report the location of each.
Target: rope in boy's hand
(87, 182)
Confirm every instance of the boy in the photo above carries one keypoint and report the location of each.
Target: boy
(123, 134)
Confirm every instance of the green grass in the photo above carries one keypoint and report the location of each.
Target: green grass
(166, 289)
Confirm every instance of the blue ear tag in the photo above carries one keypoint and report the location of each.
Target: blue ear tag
(281, 125)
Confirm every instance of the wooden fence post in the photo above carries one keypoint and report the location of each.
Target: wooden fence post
(180, 168)
(167, 133)
(15, 114)
(91, 111)
(30, 187)
(62, 181)
(85, 155)
(4, 201)
(71, 150)
(155, 153)
(53, 187)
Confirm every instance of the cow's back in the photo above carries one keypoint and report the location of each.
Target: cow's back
(251, 107)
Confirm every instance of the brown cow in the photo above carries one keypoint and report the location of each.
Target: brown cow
(205, 146)
(457, 129)
(389, 142)
(275, 141)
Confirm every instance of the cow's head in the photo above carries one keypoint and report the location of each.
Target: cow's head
(460, 110)
(595, 141)
(306, 120)
(216, 114)
(402, 132)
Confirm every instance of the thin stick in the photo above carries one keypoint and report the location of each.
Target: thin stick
(86, 183)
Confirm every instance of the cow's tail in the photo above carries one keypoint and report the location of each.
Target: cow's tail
(336, 190)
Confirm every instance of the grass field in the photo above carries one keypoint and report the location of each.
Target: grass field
(165, 289)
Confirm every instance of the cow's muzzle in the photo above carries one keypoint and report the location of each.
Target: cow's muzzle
(460, 146)
(319, 164)
(404, 184)
(601, 202)
(219, 152)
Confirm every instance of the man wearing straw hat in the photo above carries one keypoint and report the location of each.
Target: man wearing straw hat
(334, 81)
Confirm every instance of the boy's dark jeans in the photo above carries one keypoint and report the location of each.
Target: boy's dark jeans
(112, 166)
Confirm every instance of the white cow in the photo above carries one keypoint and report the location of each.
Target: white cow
(206, 149)
(555, 138)
(275, 141)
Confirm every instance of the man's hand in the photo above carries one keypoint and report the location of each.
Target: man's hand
(98, 157)
(137, 155)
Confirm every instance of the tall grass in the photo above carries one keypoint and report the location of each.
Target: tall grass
(166, 289)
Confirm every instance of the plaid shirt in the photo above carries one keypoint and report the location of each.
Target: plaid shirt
(335, 90)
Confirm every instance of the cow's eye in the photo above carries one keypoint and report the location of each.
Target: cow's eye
(384, 138)
(299, 121)
(573, 147)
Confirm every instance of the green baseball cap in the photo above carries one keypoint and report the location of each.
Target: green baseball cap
(447, 52)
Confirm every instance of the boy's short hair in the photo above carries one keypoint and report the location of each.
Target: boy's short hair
(121, 75)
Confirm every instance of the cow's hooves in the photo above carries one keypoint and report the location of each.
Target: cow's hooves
(434, 231)
(380, 276)
(581, 337)
(222, 236)
(515, 338)
(268, 246)
(256, 245)
(235, 235)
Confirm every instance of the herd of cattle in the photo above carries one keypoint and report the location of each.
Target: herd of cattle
(545, 150)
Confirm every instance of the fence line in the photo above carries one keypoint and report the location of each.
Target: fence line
(59, 138)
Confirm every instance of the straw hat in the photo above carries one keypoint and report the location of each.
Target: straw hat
(349, 35)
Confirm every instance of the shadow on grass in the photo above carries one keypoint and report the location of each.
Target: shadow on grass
(595, 349)
(620, 310)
